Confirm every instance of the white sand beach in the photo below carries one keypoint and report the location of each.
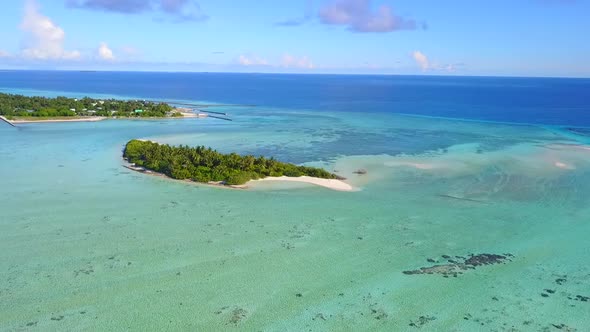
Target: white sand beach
(338, 185)
(84, 119)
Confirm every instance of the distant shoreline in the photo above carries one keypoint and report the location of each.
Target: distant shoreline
(45, 120)
(102, 118)
(16, 109)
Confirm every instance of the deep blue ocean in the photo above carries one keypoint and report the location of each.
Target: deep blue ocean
(549, 101)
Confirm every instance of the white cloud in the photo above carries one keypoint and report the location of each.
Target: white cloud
(44, 38)
(426, 65)
(105, 53)
(421, 60)
(290, 61)
(245, 60)
(4, 54)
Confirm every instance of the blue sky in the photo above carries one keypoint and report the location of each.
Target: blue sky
(453, 37)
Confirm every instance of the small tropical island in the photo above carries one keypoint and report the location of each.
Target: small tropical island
(205, 165)
(18, 108)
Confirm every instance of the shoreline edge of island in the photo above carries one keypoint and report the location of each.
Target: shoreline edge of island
(332, 184)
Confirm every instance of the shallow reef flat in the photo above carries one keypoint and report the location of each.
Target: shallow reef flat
(457, 226)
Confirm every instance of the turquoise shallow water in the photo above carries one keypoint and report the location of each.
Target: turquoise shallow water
(87, 245)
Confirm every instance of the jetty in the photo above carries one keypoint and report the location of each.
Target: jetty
(7, 121)
(210, 112)
(199, 108)
(199, 105)
(220, 118)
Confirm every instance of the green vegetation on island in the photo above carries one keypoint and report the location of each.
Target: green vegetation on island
(205, 165)
(17, 106)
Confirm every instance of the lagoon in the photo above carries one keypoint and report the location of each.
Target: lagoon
(86, 244)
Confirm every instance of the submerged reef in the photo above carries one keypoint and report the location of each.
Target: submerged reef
(457, 265)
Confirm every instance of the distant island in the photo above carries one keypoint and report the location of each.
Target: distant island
(205, 165)
(20, 108)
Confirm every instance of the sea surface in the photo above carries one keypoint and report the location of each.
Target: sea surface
(473, 215)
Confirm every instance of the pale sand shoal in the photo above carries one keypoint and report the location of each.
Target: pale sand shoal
(326, 183)
(193, 115)
(86, 119)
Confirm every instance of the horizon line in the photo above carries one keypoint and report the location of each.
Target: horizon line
(286, 73)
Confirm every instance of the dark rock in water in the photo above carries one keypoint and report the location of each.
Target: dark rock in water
(485, 259)
(299, 295)
(421, 321)
(319, 316)
(237, 315)
(454, 268)
(544, 295)
(360, 171)
(550, 291)
(220, 311)
(379, 314)
(445, 270)
(582, 298)
(563, 327)
(560, 281)
(446, 256)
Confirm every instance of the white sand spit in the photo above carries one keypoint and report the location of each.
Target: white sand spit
(338, 185)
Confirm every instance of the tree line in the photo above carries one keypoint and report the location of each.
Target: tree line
(12, 105)
(203, 164)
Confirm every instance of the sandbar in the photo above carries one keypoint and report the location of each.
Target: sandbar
(333, 184)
